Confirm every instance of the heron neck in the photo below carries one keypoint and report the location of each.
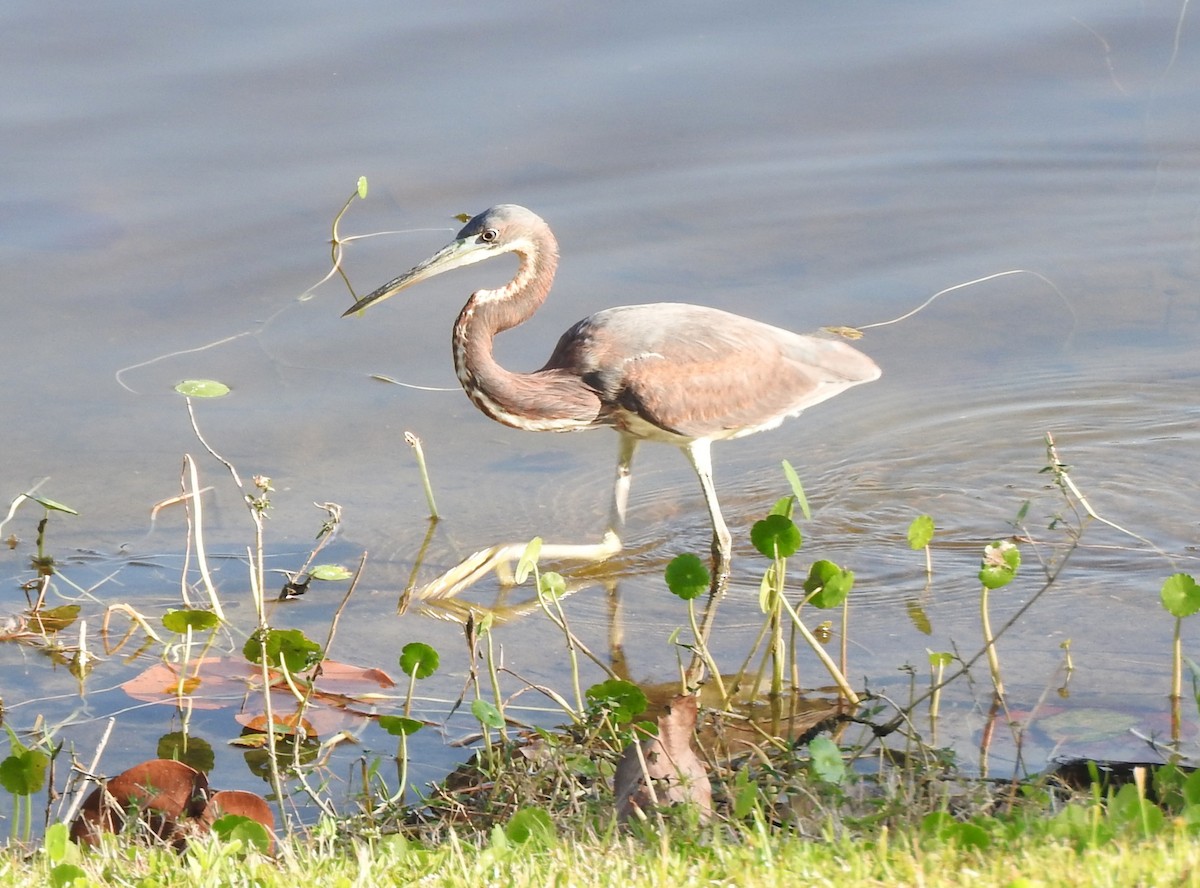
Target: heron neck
(545, 400)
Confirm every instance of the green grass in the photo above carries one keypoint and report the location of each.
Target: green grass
(757, 858)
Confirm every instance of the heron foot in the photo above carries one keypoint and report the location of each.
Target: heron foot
(501, 558)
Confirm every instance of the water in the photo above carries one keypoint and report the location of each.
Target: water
(169, 181)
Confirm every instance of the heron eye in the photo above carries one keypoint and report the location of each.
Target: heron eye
(488, 235)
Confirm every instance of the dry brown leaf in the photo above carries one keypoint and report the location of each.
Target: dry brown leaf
(664, 770)
(160, 793)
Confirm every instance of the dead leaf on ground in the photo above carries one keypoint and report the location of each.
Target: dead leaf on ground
(664, 770)
(159, 793)
(168, 799)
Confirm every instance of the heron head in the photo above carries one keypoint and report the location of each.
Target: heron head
(506, 228)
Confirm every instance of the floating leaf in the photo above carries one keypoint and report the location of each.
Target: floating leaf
(330, 572)
(418, 660)
(202, 388)
(283, 646)
(776, 536)
(1000, 562)
(54, 619)
(1181, 595)
(686, 576)
(188, 618)
(224, 682)
(487, 714)
(830, 583)
(398, 725)
(285, 724)
(195, 751)
(920, 532)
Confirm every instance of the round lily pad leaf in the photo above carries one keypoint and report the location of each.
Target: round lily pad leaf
(418, 660)
(197, 620)
(330, 572)
(202, 388)
(776, 536)
(686, 576)
(1181, 595)
(399, 725)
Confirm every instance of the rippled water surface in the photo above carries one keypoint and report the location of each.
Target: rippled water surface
(170, 177)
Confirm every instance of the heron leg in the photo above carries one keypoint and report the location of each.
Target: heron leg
(501, 557)
(699, 453)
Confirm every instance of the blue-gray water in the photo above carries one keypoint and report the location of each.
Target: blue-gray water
(171, 172)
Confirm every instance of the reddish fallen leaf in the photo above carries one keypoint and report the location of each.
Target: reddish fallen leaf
(242, 804)
(219, 682)
(159, 793)
(286, 723)
(667, 771)
(211, 683)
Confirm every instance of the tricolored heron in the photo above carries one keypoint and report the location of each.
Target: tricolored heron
(680, 374)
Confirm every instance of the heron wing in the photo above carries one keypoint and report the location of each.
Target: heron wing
(694, 372)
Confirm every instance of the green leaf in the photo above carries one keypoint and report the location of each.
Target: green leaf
(940, 658)
(826, 760)
(65, 874)
(330, 572)
(830, 583)
(530, 824)
(552, 585)
(1000, 562)
(24, 773)
(487, 714)
(289, 647)
(776, 536)
(528, 560)
(1180, 595)
(686, 576)
(202, 388)
(196, 620)
(746, 794)
(56, 842)
(237, 827)
(622, 699)
(398, 725)
(55, 619)
(50, 504)
(784, 506)
(797, 489)
(362, 187)
(418, 660)
(920, 532)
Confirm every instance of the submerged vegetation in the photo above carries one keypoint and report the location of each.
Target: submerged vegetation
(737, 771)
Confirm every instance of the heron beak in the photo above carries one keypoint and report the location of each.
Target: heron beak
(464, 251)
